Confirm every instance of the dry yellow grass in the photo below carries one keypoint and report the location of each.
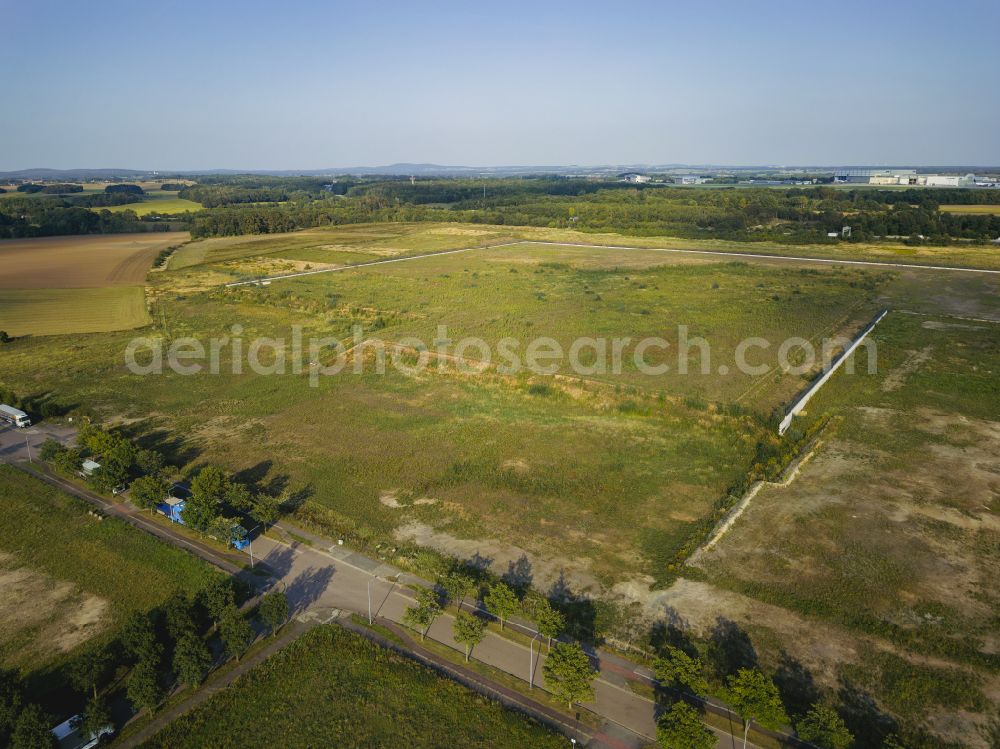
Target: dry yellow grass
(976, 209)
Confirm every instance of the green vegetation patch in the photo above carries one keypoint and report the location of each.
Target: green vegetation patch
(335, 688)
(76, 575)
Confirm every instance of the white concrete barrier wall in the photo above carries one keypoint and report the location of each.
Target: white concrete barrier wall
(801, 402)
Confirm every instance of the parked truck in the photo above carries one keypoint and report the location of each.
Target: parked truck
(14, 416)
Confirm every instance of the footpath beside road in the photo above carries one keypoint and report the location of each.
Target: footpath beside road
(320, 577)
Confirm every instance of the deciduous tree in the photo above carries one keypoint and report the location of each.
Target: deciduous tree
(681, 728)
(501, 601)
(89, 669)
(236, 632)
(274, 610)
(192, 660)
(95, 716)
(147, 491)
(265, 510)
(468, 630)
(143, 687)
(755, 698)
(421, 615)
(824, 728)
(677, 670)
(138, 638)
(33, 730)
(217, 598)
(551, 622)
(568, 674)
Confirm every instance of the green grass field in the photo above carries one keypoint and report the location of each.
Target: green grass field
(362, 241)
(58, 311)
(70, 578)
(167, 205)
(335, 688)
(974, 209)
(628, 463)
(568, 293)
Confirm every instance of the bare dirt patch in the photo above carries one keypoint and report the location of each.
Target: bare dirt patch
(41, 616)
(546, 573)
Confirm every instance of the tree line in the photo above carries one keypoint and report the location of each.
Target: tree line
(684, 680)
(153, 654)
(34, 217)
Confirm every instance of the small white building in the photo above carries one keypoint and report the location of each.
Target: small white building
(635, 177)
(689, 179)
(88, 467)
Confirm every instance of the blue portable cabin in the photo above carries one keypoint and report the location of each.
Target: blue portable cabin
(238, 538)
(173, 508)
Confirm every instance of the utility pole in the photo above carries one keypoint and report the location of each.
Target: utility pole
(27, 445)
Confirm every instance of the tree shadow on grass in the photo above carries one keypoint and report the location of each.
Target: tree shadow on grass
(730, 649)
(519, 575)
(796, 685)
(869, 725)
(672, 631)
(580, 612)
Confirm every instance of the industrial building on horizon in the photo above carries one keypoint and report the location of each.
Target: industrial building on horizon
(902, 177)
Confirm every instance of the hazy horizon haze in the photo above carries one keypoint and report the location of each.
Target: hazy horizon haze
(310, 85)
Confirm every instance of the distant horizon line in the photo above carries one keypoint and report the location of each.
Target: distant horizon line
(406, 168)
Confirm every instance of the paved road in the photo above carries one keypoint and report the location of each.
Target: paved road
(319, 577)
(18, 445)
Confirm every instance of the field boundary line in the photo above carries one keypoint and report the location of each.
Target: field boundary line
(367, 263)
(950, 317)
(766, 256)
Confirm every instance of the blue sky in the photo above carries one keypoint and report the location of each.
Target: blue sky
(296, 85)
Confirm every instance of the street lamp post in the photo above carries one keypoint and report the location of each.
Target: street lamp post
(250, 543)
(369, 601)
(531, 663)
(28, 446)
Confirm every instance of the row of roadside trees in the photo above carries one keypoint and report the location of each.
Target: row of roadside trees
(749, 692)
(569, 675)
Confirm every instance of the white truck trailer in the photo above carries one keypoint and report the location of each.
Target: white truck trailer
(14, 416)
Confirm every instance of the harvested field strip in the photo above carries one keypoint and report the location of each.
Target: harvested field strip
(60, 311)
(81, 261)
